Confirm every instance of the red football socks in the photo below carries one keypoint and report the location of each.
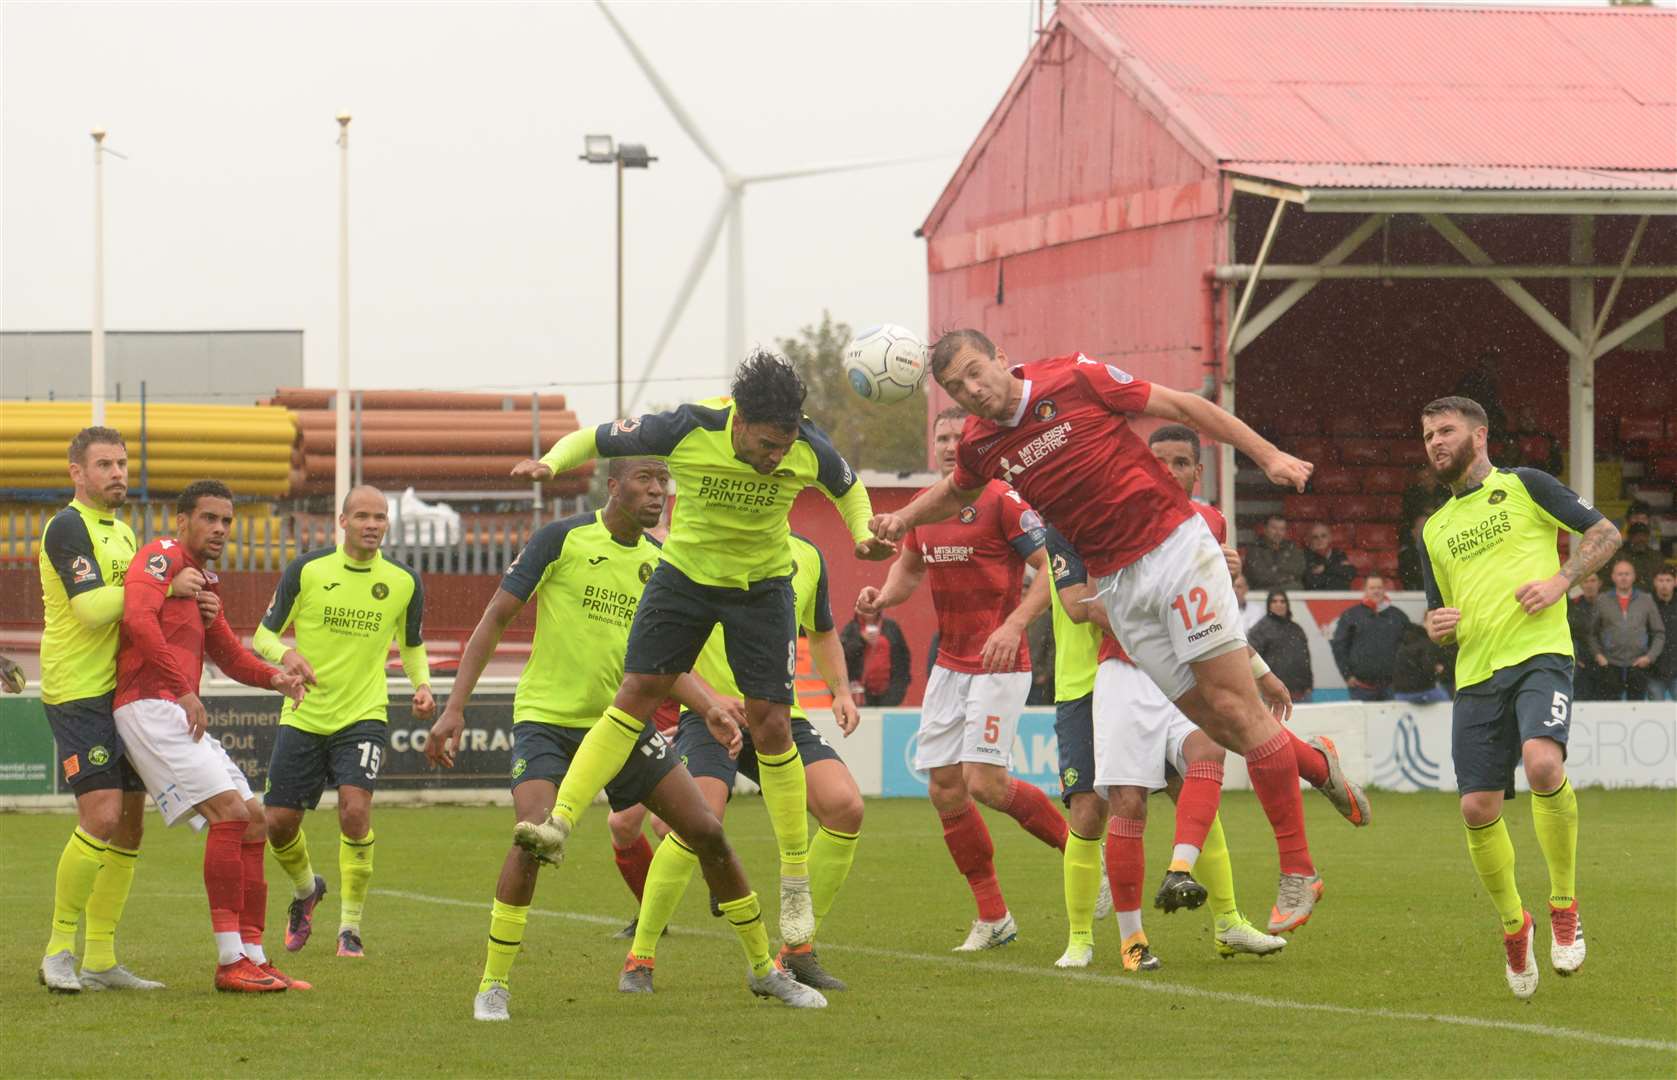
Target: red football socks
(1196, 805)
(1275, 780)
(1036, 813)
(253, 919)
(1126, 862)
(968, 840)
(224, 875)
(633, 863)
(1313, 765)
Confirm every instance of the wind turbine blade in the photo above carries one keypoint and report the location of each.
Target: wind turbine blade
(707, 245)
(681, 117)
(841, 166)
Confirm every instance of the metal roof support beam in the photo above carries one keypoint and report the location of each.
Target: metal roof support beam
(1580, 381)
(1295, 292)
(1635, 325)
(1392, 271)
(1252, 283)
(1522, 299)
(1613, 290)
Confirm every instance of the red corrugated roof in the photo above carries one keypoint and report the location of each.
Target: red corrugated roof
(1408, 96)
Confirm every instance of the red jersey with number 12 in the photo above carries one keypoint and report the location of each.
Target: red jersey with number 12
(976, 565)
(1070, 451)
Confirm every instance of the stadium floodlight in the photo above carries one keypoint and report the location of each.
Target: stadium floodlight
(601, 150)
(729, 211)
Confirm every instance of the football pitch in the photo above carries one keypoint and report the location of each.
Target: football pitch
(1398, 974)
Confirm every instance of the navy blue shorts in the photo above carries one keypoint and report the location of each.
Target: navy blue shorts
(759, 627)
(704, 756)
(1493, 719)
(544, 752)
(1074, 731)
(306, 763)
(89, 749)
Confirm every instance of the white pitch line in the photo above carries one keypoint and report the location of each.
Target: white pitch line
(1127, 983)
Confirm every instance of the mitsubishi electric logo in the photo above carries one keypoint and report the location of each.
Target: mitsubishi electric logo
(1407, 767)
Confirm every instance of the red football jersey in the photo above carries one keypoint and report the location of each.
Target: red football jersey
(976, 566)
(1071, 452)
(161, 650)
(1213, 519)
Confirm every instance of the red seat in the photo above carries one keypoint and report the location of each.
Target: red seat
(1534, 449)
(1298, 423)
(1664, 469)
(1408, 452)
(1345, 424)
(1646, 428)
(1385, 480)
(1365, 451)
(1361, 559)
(1315, 449)
(1305, 507)
(1387, 563)
(1344, 535)
(1393, 426)
(1367, 508)
(1378, 537)
(1336, 480)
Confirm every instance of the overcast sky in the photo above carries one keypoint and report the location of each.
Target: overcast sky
(481, 247)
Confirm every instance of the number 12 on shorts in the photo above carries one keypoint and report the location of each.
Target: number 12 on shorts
(1199, 599)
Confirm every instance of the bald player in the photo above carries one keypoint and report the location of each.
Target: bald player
(344, 603)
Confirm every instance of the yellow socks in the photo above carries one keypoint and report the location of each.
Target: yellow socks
(104, 907)
(1493, 857)
(293, 858)
(746, 917)
(1082, 866)
(667, 878)
(1554, 816)
(785, 796)
(830, 856)
(506, 936)
(1212, 869)
(78, 869)
(355, 873)
(600, 758)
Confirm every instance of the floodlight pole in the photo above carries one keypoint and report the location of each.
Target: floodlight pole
(96, 376)
(340, 448)
(604, 150)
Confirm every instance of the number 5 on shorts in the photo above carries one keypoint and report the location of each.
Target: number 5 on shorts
(992, 729)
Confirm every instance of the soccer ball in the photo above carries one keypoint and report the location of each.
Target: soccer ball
(885, 363)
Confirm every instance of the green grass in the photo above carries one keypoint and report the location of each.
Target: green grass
(1403, 940)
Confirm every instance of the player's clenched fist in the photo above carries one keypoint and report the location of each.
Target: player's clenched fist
(1534, 596)
(445, 736)
(867, 602)
(1441, 624)
(424, 705)
(873, 550)
(888, 527)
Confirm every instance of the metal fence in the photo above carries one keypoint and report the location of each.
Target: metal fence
(269, 542)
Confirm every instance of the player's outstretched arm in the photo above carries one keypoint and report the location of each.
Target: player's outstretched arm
(941, 500)
(502, 609)
(1210, 420)
(574, 449)
(827, 652)
(901, 580)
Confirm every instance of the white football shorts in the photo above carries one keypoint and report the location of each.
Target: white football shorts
(1137, 730)
(967, 717)
(1175, 605)
(178, 772)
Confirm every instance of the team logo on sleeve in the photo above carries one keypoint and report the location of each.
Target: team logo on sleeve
(158, 566)
(1119, 375)
(380, 590)
(1045, 409)
(625, 425)
(1061, 567)
(83, 569)
(1030, 520)
(645, 572)
(969, 514)
(1497, 496)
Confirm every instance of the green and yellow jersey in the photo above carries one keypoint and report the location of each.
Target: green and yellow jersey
(815, 615)
(83, 557)
(729, 525)
(1481, 546)
(345, 614)
(587, 586)
(1077, 646)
